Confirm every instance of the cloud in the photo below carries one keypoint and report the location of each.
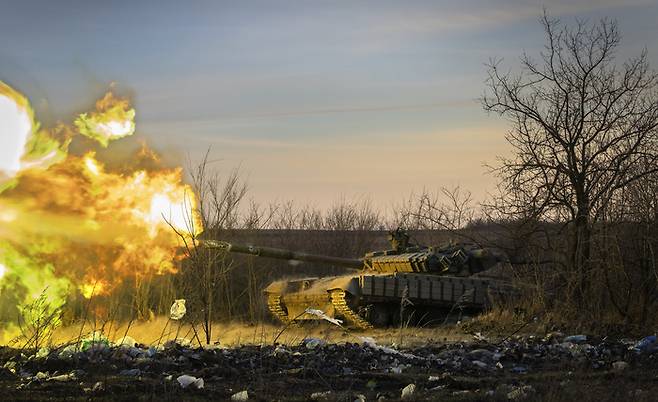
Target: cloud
(478, 16)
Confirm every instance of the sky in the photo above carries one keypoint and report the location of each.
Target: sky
(314, 101)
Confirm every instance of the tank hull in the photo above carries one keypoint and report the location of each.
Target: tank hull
(367, 300)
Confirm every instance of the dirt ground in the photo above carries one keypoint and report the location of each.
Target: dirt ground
(326, 363)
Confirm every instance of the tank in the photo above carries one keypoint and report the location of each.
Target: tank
(420, 278)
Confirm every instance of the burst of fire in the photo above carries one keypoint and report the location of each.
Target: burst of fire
(67, 222)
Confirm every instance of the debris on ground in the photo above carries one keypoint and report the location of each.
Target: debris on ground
(408, 391)
(576, 338)
(240, 396)
(315, 369)
(646, 345)
(321, 314)
(190, 381)
(178, 309)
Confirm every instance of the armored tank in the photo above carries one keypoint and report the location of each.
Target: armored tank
(421, 278)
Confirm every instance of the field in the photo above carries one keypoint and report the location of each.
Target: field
(319, 362)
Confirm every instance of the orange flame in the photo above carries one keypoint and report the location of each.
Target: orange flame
(79, 225)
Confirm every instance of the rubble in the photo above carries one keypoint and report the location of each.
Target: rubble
(646, 345)
(312, 343)
(576, 338)
(321, 370)
(360, 398)
(322, 396)
(190, 381)
(126, 341)
(240, 396)
(408, 392)
(520, 393)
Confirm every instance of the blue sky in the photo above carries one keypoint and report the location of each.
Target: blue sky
(315, 100)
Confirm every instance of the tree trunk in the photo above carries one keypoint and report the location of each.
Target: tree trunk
(582, 251)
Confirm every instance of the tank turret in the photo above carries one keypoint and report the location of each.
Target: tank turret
(455, 259)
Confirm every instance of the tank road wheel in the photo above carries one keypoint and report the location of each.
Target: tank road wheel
(379, 314)
(342, 308)
(277, 308)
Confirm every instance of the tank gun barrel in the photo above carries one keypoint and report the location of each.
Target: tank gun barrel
(282, 254)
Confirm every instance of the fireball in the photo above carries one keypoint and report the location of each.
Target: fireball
(71, 225)
(17, 126)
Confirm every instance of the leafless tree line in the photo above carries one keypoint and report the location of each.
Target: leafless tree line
(580, 184)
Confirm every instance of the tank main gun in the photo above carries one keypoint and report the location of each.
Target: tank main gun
(282, 254)
(458, 259)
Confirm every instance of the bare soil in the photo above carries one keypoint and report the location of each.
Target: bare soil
(442, 364)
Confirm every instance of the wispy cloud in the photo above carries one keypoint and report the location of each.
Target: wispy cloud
(477, 16)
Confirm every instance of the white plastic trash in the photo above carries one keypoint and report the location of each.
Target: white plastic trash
(408, 391)
(178, 309)
(240, 396)
(190, 381)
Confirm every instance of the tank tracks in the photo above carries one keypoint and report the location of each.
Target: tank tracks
(275, 306)
(339, 301)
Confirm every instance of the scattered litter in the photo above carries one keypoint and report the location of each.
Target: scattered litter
(370, 342)
(68, 352)
(41, 376)
(576, 338)
(480, 364)
(521, 393)
(408, 391)
(360, 398)
(321, 314)
(190, 381)
(646, 345)
(10, 365)
(239, 396)
(64, 377)
(172, 343)
(481, 354)
(178, 309)
(212, 346)
(321, 396)
(396, 370)
(41, 353)
(445, 362)
(553, 335)
(126, 341)
(280, 350)
(312, 343)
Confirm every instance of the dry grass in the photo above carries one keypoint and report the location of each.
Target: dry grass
(237, 334)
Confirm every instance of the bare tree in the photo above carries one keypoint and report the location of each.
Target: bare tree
(356, 215)
(581, 125)
(218, 201)
(448, 209)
